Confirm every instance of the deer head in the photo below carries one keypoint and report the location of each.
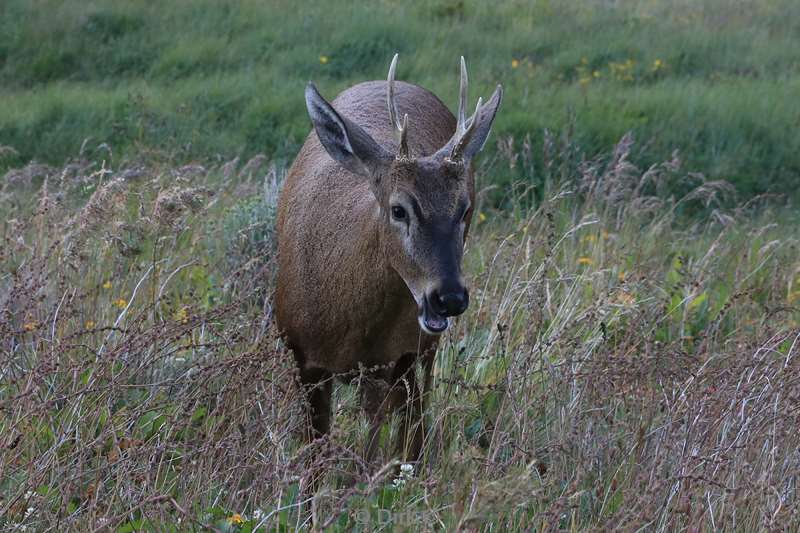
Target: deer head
(424, 201)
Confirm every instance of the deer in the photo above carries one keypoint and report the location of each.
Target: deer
(371, 227)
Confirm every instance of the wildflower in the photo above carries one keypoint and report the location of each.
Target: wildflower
(323, 60)
(625, 298)
(235, 519)
(120, 302)
(406, 473)
(181, 315)
(596, 74)
(30, 326)
(585, 261)
(657, 65)
(514, 63)
(584, 81)
(107, 285)
(588, 238)
(89, 324)
(481, 217)
(622, 71)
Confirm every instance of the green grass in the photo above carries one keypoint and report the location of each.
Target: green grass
(630, 356)
(205, 81)
(621, 366)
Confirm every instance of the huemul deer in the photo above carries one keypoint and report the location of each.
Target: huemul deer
(371, 226)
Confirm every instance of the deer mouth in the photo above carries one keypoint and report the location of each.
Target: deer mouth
(430, 321)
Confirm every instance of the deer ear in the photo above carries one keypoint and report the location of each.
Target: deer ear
(484, 117)
(467, 142)
(345, 142)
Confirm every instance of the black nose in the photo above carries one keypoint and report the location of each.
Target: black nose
(451, 301)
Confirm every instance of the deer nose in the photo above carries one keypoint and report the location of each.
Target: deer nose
(450, 301)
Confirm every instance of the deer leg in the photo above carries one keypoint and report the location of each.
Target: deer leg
(373, 402)
(319, 387)
(408, 403)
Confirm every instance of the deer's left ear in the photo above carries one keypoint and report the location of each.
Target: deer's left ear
(344, 141)
(480, 125)
(470, 137)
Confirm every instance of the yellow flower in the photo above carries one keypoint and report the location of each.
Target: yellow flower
(584, 81)
(514, 63)
(120, 302)
(481, 217)
(89, 324)
(324, 61)
(596, 74)
(588, 238)
(625, 298)
(107, 285)
(235, 518)
(30, 326)
(181, 315)
(657, 65)
(585, 261)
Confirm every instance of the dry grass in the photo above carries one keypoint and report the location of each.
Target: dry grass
(623, 365)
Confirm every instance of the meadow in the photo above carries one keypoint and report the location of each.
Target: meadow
(210, 80)
(629, 360)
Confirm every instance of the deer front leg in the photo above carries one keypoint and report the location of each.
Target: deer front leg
(318, 385)
(374, 402)
(408, 402)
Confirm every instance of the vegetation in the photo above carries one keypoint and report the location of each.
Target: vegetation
(630, 357)
(208, 80)
(617, 369)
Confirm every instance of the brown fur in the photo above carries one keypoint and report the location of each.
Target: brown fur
(343, 299)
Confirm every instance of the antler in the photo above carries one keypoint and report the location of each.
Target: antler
(461, 126)
(463, 130)
(401, 129)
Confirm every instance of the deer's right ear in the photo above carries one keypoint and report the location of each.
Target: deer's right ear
(344, 141)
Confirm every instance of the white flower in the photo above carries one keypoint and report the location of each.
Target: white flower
(406, 473)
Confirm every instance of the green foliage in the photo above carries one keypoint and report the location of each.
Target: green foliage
(204, 80)
(144, 383)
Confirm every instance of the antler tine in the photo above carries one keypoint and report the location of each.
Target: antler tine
(462, 141)
(400, 128)
(462, 99)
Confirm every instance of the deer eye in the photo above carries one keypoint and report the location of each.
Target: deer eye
(399, 212)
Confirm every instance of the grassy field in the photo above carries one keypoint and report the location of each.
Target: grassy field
(618, 368)
(629, 360)
(204, 81)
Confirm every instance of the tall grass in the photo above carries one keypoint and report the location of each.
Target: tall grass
(621, 366)
(211, 80)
